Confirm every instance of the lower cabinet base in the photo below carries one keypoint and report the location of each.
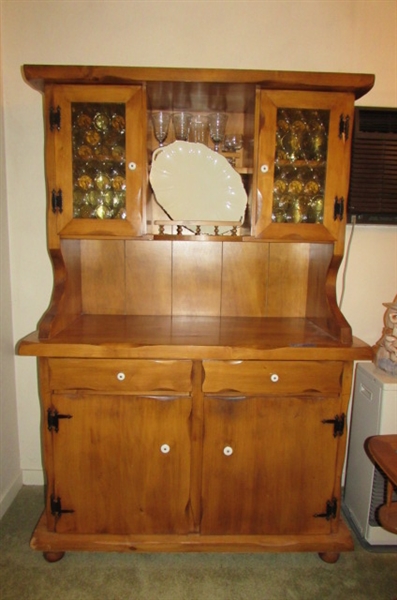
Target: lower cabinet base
(54, 545)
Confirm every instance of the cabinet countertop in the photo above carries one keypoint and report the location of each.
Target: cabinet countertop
(162, 337)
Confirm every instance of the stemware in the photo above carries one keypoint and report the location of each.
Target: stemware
(181, 121)
(161, 123)
(233, 142)
(198, 131)
(217, 125)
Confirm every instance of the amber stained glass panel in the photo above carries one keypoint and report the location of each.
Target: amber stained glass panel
(99, 175)
(300, 165)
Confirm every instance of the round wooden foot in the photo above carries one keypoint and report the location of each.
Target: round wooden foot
(329, 557)
(52, 557)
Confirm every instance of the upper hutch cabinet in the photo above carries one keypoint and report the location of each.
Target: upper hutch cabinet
(303, 165)
(194, 369)
(95, 160)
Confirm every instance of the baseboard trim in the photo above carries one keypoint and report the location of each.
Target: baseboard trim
(328, 545)
(10, 494)
(32, 477)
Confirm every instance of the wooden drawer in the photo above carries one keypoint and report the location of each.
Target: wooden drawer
(121, 376)
(273, 377)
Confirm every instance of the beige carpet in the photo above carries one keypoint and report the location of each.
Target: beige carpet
(25, 575)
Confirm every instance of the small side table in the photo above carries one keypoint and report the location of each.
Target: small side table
(382, 449)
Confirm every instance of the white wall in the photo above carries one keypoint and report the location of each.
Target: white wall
(10, 470)
(315, 35)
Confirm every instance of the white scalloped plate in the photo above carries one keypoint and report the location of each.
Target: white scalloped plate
(192, 182)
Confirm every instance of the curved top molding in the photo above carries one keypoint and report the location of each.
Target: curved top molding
(356, 83)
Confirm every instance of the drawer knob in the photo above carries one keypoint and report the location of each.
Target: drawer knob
(274, 377)
(228, 451)
(165, 448)
(121, 376)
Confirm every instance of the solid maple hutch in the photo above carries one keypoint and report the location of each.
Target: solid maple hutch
(194, 386)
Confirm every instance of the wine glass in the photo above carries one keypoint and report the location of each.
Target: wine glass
(217, 126)
(161, 123)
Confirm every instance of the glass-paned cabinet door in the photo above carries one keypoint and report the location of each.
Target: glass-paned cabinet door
(303, 157)
(95, 159)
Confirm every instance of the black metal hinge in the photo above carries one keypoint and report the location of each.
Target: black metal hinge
(55, 118)
(344, 127)
(330, 511)
(339, 208)
(56, 201)
(53, 417)
(56, 507)
(339, 424)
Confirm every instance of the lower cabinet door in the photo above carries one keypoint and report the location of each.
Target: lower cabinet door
(268, 465)
(121, 464)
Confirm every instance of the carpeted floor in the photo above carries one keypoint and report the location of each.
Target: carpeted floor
(25, 575)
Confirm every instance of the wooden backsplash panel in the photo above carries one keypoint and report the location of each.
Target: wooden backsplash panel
(244, 279)
(229, 279)
(103, 277)
(288, 277)
(196, 278)
(148, 277)
(320, 260)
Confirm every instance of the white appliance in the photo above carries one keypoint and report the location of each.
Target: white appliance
(374, 412)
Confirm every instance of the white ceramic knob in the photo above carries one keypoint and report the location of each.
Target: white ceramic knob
(132, 166)
(165, 448)
(274, 377)
(264, 168)
(121, 376)
(228, 451)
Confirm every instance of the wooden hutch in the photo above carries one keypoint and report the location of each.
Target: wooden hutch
(193, 385)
